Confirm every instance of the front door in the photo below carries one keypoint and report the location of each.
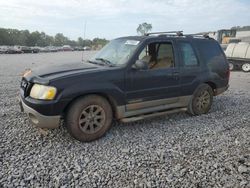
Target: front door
(157, 85)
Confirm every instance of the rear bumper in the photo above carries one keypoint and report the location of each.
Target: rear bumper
(38, 119)
(220, 90)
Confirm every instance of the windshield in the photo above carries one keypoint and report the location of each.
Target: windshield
(116, 52)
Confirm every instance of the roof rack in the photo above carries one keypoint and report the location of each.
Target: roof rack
(178, 33)
(198, 35)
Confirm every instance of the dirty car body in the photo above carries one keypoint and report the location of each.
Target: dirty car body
(134, 86)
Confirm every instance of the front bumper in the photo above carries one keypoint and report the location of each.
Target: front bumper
(38, 119)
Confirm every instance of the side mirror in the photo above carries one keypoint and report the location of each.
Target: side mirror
(140, 65)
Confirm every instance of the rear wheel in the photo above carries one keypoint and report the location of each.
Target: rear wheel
(246, 67)
(201, 101)
(88, 118)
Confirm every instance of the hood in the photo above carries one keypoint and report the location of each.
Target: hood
(45, 74)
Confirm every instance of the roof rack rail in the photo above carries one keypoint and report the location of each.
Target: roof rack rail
(178, 33)
(198, 35)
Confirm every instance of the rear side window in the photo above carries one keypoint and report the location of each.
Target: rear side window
(211, 52)
(187, 53)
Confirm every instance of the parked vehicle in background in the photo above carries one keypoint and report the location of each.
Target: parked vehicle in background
(43, 49)
(49, 49)
(3, 49)
(86, 48)
(53, 49)
(227, 36)
(131, 78)
(18, 49)
(67, 48)
(238, 55)
(35, 49)
(78, 48)
(223, 36)
(25, 49)
(13, 50)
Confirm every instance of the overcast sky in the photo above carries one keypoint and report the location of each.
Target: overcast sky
(114, 18)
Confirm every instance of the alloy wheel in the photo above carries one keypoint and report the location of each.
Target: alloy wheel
(203, 100)
(92, 119)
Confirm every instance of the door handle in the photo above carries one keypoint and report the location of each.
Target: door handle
(176, 75)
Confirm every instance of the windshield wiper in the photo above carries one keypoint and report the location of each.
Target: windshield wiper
(92, 62)
(107, 62)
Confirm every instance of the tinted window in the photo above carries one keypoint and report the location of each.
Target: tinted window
(188, 56)
(210, 52)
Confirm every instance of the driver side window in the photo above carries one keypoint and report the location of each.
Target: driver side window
(158, 55)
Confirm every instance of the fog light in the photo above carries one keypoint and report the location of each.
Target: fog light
(33, 119)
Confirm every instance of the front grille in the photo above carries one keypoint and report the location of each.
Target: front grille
(26, 86)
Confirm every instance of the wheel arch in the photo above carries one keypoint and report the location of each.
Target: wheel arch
(212, 85)
(111, 100)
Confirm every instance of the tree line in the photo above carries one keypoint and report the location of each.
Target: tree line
(243, 28)
(27, 38)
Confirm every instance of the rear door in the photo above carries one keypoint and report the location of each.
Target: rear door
(159, 84)
(190, 67)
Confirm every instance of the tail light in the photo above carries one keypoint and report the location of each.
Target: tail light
(228, 74)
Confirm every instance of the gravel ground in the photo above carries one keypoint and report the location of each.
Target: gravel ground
(211, 150)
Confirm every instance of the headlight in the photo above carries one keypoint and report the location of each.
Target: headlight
(43, 92)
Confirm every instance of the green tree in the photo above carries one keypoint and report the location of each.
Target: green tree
(60, 39)
(33, 39)
(49, 40)
(144, 28)
(87, 42)
(23, 37)
(26, 38)
(71, 43)
(80, 41)
(3, 36)
(98, 41)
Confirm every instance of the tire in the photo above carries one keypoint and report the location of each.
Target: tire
(201, 100)
(245, 67)
(89, 118)
(231, 66)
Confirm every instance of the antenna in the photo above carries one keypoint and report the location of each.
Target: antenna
(84, 36)
(85, 24)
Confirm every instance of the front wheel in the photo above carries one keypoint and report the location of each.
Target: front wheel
(246, 67)
(88, 118)
(201, 100)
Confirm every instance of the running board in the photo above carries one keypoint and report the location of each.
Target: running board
(154, 114)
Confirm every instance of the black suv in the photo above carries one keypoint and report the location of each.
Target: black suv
(130, 79)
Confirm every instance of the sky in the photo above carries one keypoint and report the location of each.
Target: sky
(114, 18)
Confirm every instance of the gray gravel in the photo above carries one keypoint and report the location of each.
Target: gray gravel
(211, 150)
